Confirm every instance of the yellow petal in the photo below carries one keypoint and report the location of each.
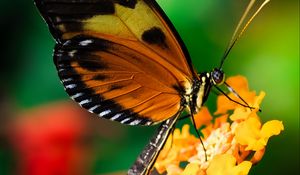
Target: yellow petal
(248, 133)
(185, 132)
(270, 128)
(251, 134)
(225, 164)
(191, 169)
(240, 113)
(258, 99)
(241, 169)
(220, 164)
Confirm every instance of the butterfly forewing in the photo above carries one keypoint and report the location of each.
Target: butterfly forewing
(119, 59)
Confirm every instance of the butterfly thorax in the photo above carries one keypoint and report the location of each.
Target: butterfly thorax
(202, 86)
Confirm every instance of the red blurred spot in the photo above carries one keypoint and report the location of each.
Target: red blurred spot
(52, 140)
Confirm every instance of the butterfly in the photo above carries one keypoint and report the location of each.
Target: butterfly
(124, 61)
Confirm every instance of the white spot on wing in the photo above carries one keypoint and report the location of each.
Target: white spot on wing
(67, 42)
(148, 123)
(71, 53)
(115, 117)
(93, 108)
(85, 42)
(77, 95)
(84, 102)
(67, 79)
(62, 69)
(135, 122)
(103, 113)
(125, 120)
(71, 86)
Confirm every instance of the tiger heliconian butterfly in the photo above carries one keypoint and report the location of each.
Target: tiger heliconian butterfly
(124, 61)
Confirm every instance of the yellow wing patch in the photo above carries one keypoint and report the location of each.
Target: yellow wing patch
(107, 24)
(125, 22)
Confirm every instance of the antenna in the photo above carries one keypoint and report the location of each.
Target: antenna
(238, 32)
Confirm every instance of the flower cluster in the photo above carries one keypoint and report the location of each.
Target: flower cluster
(234, 139)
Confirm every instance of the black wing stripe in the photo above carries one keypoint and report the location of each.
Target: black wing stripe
(145, 101)
(109, 110)
(112, 111)
(77, 87)
(107, 105)
(108, 80)
(64, 73)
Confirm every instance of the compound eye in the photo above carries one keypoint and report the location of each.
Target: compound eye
(218, 76)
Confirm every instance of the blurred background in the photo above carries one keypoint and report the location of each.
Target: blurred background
(43, 132)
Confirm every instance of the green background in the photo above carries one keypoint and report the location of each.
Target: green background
(268, 55)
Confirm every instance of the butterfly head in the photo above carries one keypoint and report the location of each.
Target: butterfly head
(203, 85)
(217, 77)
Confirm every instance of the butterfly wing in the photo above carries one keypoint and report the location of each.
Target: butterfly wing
(120, 59)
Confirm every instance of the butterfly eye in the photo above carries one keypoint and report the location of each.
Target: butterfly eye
(217, 76)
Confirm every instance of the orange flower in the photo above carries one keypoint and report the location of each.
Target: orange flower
(229, 139)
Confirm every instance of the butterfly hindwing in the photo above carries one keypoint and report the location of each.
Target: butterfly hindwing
(105, 80)
(120, 59)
